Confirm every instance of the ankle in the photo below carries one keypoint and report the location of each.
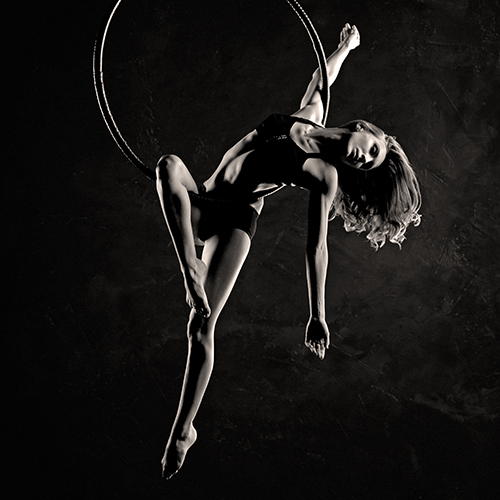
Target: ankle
(195, 268)
(189, 267)
(184, 432)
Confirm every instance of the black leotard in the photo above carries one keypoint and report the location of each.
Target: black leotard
(275, 160)
(219, 215)
(278, 157)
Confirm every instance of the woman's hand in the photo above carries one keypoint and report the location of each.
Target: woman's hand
(349, 37)
(317, 336)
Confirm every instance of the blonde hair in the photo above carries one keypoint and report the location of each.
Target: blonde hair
(382, 201)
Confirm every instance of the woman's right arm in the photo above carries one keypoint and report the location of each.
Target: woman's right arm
(320, 201)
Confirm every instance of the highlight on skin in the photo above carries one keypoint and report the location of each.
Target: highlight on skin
(357, 170)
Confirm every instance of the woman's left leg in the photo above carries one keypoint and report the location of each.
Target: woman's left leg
(224, 256)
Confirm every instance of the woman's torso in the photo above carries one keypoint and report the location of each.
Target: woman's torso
(278, 155)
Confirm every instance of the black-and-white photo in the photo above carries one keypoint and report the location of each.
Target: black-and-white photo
(250, 250)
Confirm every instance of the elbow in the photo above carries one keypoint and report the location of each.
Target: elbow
(317, 249)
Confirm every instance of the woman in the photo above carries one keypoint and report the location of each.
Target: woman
(355, 171)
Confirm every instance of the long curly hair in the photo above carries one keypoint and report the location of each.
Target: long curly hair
(382, 201)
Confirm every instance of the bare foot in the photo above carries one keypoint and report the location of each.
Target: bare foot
(175, 453)
(194, 279)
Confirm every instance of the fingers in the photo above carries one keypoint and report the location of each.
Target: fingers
(320, 352)
(345, 32)
(349, 30)
(203, 311)
(318, 348)
(349, 33)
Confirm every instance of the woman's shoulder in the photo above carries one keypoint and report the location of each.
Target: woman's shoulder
(306, 121)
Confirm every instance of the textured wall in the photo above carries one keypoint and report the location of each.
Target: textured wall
(406, 403)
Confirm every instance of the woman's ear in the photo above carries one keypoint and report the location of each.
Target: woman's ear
(359, 127)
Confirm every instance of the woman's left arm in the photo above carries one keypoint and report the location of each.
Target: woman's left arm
(311, 106)
(317, 334)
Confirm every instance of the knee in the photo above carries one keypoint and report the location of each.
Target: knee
(168, 167)
(200, 330)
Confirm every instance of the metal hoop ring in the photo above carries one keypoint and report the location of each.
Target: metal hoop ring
(106, 111)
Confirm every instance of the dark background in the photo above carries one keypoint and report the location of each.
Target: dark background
(406, 404)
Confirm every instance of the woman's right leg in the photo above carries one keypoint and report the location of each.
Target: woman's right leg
(224, 256)
(173, 182)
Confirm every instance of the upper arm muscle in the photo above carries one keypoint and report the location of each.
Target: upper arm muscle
(312, 112)
(320, 202)
(311, 106)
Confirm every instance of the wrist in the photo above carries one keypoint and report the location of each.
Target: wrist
(344, 47)
(317, 317)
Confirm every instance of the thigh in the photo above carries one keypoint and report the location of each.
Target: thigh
(195, 223)
(224, 254)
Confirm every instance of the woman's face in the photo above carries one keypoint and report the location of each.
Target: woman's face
(364, 151)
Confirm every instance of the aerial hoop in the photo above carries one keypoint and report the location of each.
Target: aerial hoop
(106, 111)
